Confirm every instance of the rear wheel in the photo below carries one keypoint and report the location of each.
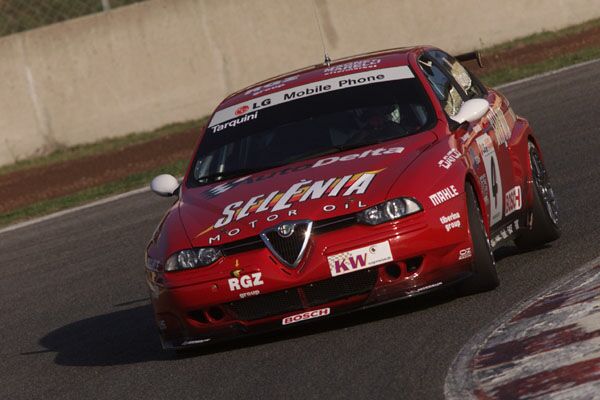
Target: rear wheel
(545, 208)
(484, 275)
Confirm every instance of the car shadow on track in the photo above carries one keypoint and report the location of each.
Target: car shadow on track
(130, 336)
(122, 337)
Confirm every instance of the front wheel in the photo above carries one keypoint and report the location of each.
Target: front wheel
(545, 208)
(484, 275)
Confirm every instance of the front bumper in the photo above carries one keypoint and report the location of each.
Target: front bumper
(198, 307)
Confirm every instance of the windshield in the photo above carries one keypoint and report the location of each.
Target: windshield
(311, 126)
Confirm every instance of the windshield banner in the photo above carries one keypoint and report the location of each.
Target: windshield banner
(311, 89)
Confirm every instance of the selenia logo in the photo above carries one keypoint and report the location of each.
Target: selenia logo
(297, 193)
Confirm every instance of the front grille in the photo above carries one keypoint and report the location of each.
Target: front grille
(342, 286)
(288, 249)
(315, 293)
(267, 305)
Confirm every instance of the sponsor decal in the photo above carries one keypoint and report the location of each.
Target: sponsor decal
(492, 173)
(249, 294)
(513, 200)
(449, 159)
(358, 259)
(271, 85)
(500, 126)
(223, 187)
(451, 221)
(195, 341)
(306, 315)
(483, 181)
(234, 122)
(297, 193)
(242, 110)
(443, 195)
(476, 159)
(433, 285)
(505, 233)
(465, 253)
(311, 89)
(245, 281)
(352, 66)
(280, 203)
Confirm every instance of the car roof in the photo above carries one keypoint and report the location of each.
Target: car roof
(362, 62)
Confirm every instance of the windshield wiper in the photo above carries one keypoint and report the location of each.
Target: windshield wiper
(331, 150)
(219, 176)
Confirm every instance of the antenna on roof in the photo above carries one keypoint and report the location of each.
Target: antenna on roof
(327, 60)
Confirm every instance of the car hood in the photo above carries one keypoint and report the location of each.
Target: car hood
(316, 189)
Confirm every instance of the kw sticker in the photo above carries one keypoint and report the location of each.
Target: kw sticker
(363, 258)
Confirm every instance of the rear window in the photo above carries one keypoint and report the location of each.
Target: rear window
(367, 108)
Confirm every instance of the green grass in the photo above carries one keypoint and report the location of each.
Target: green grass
(510, 74)
(133, 181)
(101, 147)
(542, 37)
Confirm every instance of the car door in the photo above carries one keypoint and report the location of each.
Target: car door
(486, 140)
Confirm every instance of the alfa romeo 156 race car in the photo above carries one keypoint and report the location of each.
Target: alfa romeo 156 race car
(341, 186)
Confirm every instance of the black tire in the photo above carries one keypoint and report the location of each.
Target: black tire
(484, 275)
(545, 208)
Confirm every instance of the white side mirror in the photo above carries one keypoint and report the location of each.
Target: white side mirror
(471, 110)
(164, 185)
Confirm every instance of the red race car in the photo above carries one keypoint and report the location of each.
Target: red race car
(341, 186)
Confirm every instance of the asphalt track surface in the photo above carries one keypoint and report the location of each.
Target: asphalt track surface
(76, 323)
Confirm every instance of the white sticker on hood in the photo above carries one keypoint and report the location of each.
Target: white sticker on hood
(311, 89)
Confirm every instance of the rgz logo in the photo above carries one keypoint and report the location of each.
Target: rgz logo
(246, 282)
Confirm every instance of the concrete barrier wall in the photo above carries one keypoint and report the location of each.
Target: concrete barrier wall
(140, 67)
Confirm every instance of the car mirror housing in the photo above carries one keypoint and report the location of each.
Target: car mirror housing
(165, 185)
(471, 111)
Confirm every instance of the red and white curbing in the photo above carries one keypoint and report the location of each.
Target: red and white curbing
(549, 347)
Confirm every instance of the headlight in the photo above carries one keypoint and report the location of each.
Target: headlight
(389, 211)
(195, 258)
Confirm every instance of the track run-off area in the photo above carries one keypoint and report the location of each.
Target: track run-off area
(77, 323)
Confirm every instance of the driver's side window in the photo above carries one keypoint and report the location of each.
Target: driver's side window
(443, 86)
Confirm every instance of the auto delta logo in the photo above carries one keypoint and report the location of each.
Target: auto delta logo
(280, 203)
